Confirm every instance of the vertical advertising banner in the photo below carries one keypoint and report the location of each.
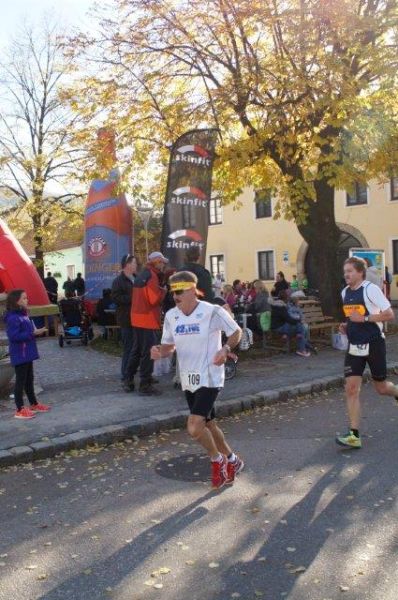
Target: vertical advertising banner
(186, 209)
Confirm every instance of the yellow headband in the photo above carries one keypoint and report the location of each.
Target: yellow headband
(182, 285)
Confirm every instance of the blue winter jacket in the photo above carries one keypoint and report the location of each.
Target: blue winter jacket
(21, 338)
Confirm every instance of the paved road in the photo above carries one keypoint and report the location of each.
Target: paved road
(83, 388)
(305, 520)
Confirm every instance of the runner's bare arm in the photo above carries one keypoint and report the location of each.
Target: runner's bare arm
(231, 342)
(161, 351)
(383, 316)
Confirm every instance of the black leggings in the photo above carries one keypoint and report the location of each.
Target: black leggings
(24, 382)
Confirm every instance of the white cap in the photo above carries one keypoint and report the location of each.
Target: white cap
(157, 256)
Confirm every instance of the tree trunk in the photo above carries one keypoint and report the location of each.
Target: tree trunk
(38, 243)
(322, 236)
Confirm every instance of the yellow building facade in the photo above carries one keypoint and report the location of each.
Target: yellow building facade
(249, 244)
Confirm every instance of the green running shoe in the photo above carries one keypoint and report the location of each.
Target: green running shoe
(349, 440)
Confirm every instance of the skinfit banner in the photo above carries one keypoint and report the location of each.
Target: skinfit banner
(186, 209)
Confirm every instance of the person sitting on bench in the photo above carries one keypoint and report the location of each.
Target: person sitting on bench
(286, 325)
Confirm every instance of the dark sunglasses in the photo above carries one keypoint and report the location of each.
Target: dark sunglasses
(178, 292)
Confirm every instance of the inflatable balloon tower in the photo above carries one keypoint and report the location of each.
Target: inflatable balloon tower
(108, 223)
(17, 270)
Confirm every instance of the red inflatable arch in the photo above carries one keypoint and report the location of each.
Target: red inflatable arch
(17, 270)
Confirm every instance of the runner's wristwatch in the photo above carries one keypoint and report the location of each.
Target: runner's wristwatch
(366, 319)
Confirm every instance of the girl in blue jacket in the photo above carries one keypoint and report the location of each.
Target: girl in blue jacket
(21, 334)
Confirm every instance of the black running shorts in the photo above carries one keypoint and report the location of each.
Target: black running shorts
(355, 365)
(201, 402)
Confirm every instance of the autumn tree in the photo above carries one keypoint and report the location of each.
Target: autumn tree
(302, 91)
(36, 160)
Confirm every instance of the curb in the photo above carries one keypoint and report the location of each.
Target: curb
(49, 447)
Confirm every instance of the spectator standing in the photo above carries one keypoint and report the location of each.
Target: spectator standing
(387, 283)
(280, 285)
(205, 284)
(122, 295)
(148, 297)
(51, 285)
(304, 284)
(69, 287)
(21, 334)
(79, 285)
(294, 284)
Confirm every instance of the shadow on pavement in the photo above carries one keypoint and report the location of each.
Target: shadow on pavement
(112, 570)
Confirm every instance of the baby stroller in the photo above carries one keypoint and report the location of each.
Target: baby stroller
(76, 322)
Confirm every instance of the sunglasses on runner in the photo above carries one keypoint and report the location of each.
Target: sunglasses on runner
(178, 292)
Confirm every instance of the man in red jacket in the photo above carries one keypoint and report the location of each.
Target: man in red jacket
(148, 296)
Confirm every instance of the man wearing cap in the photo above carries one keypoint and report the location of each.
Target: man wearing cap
(193, 328)
(122, 291)
(145, 319)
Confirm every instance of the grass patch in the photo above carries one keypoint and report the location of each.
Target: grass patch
(110, 346)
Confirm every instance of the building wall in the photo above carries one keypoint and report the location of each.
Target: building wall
(241, 236)
(69, 260)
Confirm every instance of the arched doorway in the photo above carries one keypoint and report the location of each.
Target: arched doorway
(349, 238)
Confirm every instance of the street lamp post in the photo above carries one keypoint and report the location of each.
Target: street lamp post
(144, 211)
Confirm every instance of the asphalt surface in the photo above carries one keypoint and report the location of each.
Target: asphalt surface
(83, 388)
(137, 520)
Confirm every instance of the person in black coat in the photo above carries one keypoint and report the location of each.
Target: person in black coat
(122, 295)
(79, 285)
(280, 285)
(51, 285)
(205, 283)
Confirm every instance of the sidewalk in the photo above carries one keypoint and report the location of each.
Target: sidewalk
(88, 404)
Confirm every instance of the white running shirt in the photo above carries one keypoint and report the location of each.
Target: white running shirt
(197, 338)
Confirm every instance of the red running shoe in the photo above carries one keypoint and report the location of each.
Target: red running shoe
(233, 468)
(40, 407)
(218, 473)
(24, 413)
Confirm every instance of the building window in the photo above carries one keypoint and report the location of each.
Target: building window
(70, 271)
(395, 257)
(359, 195)
(263, 204)
(266, 268)
(215, 211)
(394, 188)
(188, 217)
(217, 265)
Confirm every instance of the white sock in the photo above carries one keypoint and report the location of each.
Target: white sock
(218, 458)
(232, 458)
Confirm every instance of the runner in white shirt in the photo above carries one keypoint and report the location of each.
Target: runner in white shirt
(193, 328)
(366, 309)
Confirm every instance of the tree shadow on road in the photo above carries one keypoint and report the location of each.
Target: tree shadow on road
(304, 529)
(119, 565)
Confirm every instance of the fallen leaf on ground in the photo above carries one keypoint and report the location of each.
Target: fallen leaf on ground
(42, 577)
(214, 565)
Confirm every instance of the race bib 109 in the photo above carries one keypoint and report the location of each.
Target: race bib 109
(190, 380)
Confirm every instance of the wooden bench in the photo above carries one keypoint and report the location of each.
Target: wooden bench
(320, 325)
(272, 340)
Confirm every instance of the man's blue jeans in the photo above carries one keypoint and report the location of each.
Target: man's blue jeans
(127, 335)
(294, 330)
